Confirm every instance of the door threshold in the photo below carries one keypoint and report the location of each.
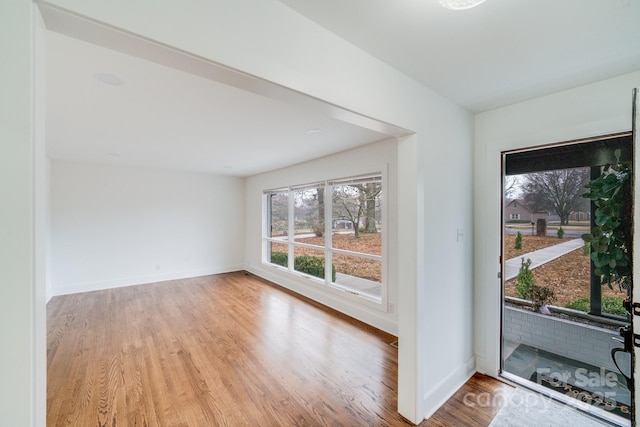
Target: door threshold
(591, 410)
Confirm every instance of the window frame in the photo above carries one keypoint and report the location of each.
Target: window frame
(328, 249)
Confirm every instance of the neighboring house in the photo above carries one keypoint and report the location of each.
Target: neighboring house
(517, 211)
(574, 216)
(580, 216)
(342, 224)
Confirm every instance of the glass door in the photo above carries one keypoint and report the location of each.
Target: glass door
(566, 251)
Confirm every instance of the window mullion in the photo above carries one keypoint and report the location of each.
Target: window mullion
(357, 254)
(328, 233)
(291, 230)
(266, 226)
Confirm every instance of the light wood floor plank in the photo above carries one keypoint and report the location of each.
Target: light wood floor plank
(225, 350)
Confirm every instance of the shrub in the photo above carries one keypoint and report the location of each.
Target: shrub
(611, 305)
(527, 289)
(560, 233)
(279, 258)
(586, 249)
(525, 279)
(318, 229)
(518, 243)
(313, 266)
(279, 228)
(540, 295)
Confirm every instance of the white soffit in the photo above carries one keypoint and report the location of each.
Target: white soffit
(178, 111)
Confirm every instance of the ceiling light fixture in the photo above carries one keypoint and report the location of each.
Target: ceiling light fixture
(109, 79)
(460, 4)
(314, 131)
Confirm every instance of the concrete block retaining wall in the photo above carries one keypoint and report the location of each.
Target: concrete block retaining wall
(578, 341)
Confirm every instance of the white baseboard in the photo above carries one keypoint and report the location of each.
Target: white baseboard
(438, 395)
(140, 280)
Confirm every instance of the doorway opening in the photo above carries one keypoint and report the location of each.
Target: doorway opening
(566, 273)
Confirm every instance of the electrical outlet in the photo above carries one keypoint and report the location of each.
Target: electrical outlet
(392, 308)
(157, 266)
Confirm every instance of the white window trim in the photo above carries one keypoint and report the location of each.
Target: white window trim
(326, 283)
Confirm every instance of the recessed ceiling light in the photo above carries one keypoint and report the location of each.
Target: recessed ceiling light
(314, 131)
(109, 79)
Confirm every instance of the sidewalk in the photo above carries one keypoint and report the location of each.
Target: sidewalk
(540, 257)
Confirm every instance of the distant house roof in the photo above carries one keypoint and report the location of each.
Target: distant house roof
(518, 203)
(519, 207)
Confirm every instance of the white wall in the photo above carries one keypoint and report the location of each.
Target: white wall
(20, 303)
(445, 281)
(118, 226)
(41, 223)
(266, 39)
(379, 157)
(46, 235)
(597, 109)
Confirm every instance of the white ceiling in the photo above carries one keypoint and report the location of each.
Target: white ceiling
(166, 118)
(499, 53)
(173, 117)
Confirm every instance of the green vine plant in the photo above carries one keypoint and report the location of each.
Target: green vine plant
(610, 238)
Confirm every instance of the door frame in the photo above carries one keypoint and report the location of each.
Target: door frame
(628, 140)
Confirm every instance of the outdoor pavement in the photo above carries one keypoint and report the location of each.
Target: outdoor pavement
(540, 257)
(360, 285)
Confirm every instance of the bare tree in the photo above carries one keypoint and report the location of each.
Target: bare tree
(559, 191)
(319, 227)
(348, 203)
(309, 210)
(371, 192)
(278, 212)
(511, 186)
(358, 202)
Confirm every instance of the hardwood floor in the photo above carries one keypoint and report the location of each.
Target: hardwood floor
(228, 350)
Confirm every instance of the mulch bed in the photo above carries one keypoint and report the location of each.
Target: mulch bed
(370, 243)
(567, 276)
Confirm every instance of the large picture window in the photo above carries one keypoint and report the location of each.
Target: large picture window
(331, 232)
